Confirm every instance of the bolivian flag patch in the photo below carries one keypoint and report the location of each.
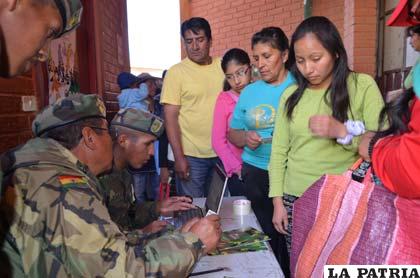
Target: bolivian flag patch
(72, 181)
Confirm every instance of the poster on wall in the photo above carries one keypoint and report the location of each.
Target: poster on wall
(62, 79)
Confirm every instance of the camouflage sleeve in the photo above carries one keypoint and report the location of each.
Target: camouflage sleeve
(145, 213)
(68, 231)
(119, 199)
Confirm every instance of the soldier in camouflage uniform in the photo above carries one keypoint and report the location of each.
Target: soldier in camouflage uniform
(134, 132)
(61, 227)
(26, 27)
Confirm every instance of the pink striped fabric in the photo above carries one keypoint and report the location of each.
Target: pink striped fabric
(340, 221)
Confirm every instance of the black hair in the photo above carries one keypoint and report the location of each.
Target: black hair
(336, 95)
(195, 24)
(69, 135)
(397, 113)
(164, 74)
(237, 55)
(275, 37)
(413, 29)
(117, 130)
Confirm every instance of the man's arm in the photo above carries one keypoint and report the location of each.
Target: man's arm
(163, 158)
(173, 131)
(85, 242)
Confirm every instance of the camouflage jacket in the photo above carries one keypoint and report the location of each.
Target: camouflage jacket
(61, 227)
(120, 201)
(5, 220)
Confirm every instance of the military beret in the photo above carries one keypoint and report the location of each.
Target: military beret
(70, 12)
(139, 120)
(68, 110)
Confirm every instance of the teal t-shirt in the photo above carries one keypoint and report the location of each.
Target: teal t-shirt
(256, 110)
(416, 79)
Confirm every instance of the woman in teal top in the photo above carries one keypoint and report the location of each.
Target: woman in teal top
(252, 126)
(413, 32)
(323, 116)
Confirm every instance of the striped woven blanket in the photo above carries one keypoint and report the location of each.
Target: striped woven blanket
(341, 221)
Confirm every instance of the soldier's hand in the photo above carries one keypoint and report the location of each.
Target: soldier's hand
(168, 206)
(187, 226)
(154, 227)
(208, 230)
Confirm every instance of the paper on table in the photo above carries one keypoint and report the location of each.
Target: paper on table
(251, 264)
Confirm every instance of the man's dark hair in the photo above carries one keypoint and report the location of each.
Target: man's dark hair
(413, 30)
(116, 131)
(195, 24)
(69, 135)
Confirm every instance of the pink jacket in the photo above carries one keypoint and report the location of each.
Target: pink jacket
(227, 152)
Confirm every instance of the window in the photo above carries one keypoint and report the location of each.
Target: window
(154, 35)
(395, 56)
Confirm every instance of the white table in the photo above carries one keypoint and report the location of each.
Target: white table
(247, 264)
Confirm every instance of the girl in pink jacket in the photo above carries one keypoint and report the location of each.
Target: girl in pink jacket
(237, 69)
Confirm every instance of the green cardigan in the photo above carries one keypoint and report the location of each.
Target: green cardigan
(298, 158)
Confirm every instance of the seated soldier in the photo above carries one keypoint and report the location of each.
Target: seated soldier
(134, 132)
(27, 27)
(61, 227)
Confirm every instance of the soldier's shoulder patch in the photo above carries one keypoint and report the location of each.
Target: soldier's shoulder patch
(72, 181)
(156, 126)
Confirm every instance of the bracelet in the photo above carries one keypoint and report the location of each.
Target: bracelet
(354, 128)
(372, 143)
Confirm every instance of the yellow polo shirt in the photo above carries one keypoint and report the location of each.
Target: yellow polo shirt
(195, 88)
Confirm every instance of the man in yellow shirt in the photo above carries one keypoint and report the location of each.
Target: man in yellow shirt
(189, 94)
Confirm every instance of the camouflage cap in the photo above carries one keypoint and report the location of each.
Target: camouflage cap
(68, 110)
(71, 14)
(139, 120)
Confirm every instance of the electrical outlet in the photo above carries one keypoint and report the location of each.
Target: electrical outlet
(29, 103)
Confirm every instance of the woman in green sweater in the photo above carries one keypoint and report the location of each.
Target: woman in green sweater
(323, 117)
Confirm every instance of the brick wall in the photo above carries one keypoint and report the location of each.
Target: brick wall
(357, 23)
(365, 36)
(108, 22)
(333, 9)
(15, 124)
(233, 22)
(112, 47)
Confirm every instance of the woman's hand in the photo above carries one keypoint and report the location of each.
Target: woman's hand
(364, 145)
(327, 127)
(280, 220)
(253, 140)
